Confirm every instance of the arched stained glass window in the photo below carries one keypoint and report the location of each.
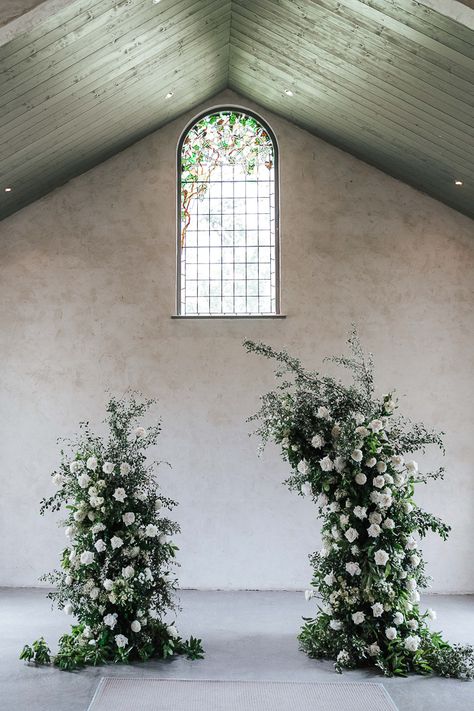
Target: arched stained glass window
(228, 233)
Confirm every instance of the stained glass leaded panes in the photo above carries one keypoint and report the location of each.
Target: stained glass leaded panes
(228, 233)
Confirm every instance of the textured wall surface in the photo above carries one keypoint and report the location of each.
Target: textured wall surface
(87, 280)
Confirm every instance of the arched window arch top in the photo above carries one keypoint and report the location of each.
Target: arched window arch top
(228, 260)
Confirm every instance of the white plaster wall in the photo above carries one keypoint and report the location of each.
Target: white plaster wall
(87, 279)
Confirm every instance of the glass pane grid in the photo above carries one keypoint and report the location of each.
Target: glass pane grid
(228, 255)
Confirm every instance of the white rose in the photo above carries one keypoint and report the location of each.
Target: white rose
(135, 626)
(172, 631)
(116, 542)
(357, 455)
(398, 618)
(120, 640)
(360, 511)
(306, 489)
(99, 545)
(68, 608)
(111, 620)
(97, 528)
(378, 482)
(359, 418)
(344, 519)
(125, 469)
(151, 530)
(376, 425)
(381, 557)
(397, 461)
(362, 432)
(354, 550)
(410, 544)
(375, 517)
(317, 442)
(128, 518)
(335, 533)
(371, 462)
(412, 467)
(108, 467)
(415, 560)
(412, 643)
(329, 579)
(377, 609)
(108, 584)
(360, 478)
(94, 593)
(112, 598)
(388, 523)
(128, 572)
(140, 495)
(374, 530)
(390, 632)
(381, 467)
(385, 501)
(309, 594)
(326, 464)
(303, 467)
(163, 539)
(335, 624)
(431, 614)
(414, 596)
(323, 413)
(358, 617)
(340, 464)
(119, 494)
(68, 580)
(92, 463)
(353, 568)
(139, 432)
(412, 624)
(58, 479)
(334, 507)
(76, 466)
(351, 534)
(374, 649)
(83, 480)
(388, 478)
(336, 431)
(87, 557)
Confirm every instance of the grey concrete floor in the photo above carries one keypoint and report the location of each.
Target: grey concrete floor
(247, 635)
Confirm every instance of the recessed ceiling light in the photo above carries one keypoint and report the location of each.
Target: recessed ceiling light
(8, 190)
(288, 92)
(169, 95)
(458, 182)
(155, 2)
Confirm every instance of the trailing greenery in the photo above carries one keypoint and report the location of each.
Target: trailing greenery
(348, 451)
(117, 572)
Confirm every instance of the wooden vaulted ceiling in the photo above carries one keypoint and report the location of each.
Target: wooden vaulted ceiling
(390, 81)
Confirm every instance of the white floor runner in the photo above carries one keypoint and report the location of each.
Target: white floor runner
(151, 694)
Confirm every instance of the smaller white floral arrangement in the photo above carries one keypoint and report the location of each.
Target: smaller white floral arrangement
(117, 572)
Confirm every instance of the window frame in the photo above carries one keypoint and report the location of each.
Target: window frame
(276, 167)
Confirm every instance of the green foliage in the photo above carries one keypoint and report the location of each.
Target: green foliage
(38, 652)
(117, 574)
(347, 450)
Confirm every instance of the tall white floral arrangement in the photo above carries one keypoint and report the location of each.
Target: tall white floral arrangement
(117, 572)
(352, 455)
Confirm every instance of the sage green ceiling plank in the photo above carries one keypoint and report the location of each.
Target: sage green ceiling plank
(344, 116)
(91, 56)
(25, 51)
(425, 20)
(103, 34)
(87, 93)
(461, 199)
(47, 118)
(360, 84)
(364, 14)
(126, 101)
(33, 189)
(132, 107)
(263, 27)
(322, 115)
(347, 38)
(344, 105)
(71, 17)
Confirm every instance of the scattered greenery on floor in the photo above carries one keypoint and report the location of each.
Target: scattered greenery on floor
(118, 571)
(350, 453)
